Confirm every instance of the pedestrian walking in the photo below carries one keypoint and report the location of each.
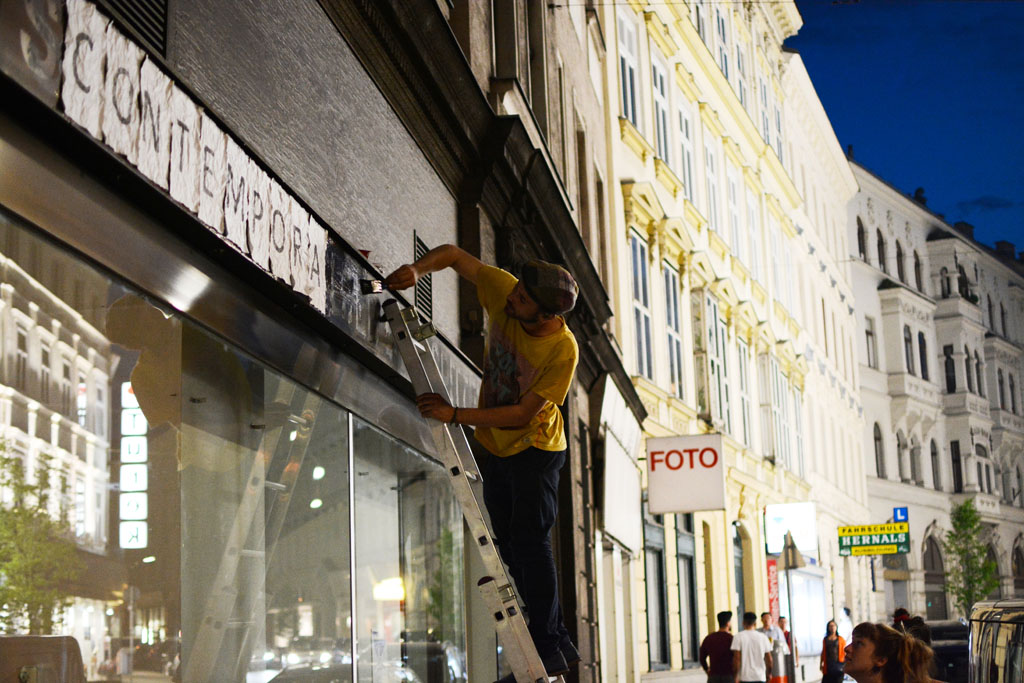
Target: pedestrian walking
(776, 672)
(716, 651)
(751, 653)
(881, 654)
(833, 653)
(845, 625)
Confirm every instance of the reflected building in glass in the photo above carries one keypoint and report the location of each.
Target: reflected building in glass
(185, 217)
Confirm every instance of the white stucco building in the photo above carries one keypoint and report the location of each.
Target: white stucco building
(940, 366)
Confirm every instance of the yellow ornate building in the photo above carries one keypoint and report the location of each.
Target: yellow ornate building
(734, 309)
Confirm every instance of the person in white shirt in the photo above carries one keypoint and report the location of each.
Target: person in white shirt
(752, 652)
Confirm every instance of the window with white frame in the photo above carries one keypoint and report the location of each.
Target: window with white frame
(686, 147)
(710, 346)
(754, 230)
(628, 61)
(798, 429)
(778, 132)
(82, 401)
(45, 374)
(675, 333)
(659, 86)
(780, 414)
(733, 202)
(65, 388)
(773, 229)
(722, 29)
(718, 367)
(766, 131)
(21, 358)
(872, 343)
(700, 20)
(641, 306)
(711, 179)
(790, 275)
(743, 369)
(741, 75)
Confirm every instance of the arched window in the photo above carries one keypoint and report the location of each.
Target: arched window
(901, 459)
(991, 557)
(947, 352)
(918, 282)
(879, 453)
(1018, 572)
(1002, 318)
(862, 240)
(968, 371)
(944, 287)
(1002, 389)
(883, 264)
(991, 314)
(908, 348)
(934, 581)
(1013, 395)
(900, 270)
(936, 475)
(922, 351)
(962, 286)
(978, 374)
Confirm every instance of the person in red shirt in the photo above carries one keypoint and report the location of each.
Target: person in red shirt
(717, 647)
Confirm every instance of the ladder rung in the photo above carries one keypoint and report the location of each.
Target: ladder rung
(275, 486)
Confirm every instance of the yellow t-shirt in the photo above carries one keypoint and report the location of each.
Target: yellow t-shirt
(516, 363)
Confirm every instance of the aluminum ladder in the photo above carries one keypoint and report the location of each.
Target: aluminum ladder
(411, 337)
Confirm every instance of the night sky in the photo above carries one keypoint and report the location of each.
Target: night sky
(930, 94)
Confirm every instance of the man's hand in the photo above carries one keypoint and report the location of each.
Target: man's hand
(403, 278)
(433, 406)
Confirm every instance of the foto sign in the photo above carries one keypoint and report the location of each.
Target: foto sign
(874, 539)
(685, 474)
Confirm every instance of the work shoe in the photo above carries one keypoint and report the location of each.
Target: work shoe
(570, 653)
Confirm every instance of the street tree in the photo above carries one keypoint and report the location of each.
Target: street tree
(970, 575)
(38, 560)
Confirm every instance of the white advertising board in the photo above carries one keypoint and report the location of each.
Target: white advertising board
(685, 474)
(800, 519)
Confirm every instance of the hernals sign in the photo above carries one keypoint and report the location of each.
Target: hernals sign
(875, 539)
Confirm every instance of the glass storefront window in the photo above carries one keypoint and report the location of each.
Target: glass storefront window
(409, 575)
(200, 503)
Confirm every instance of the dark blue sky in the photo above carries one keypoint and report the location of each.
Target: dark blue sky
(930, 94)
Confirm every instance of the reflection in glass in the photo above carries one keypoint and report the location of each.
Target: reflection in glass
(409, 574)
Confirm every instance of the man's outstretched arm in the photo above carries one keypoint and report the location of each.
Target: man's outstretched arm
(438, 258)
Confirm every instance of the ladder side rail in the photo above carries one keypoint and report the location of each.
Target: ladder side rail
(305, 420)
(223, 595)
(496, 589)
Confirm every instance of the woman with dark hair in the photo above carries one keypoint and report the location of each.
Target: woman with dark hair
(832, 654)
(881, 654)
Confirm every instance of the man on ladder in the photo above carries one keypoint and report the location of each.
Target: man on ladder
(529, 361)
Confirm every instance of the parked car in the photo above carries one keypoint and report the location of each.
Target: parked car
(997, 642)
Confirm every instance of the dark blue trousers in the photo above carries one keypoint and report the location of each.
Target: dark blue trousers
(521, 494)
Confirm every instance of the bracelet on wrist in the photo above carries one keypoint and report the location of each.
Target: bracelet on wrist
(455, 415)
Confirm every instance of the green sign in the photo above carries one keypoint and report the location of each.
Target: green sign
(875, 539)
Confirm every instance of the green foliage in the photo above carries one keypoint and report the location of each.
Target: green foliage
(970, 574)
(443, 593)
(37, 558)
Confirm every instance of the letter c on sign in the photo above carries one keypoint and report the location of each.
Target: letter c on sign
(714, 460)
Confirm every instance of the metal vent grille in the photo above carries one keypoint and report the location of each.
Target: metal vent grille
(425, 285)
(147, 19)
